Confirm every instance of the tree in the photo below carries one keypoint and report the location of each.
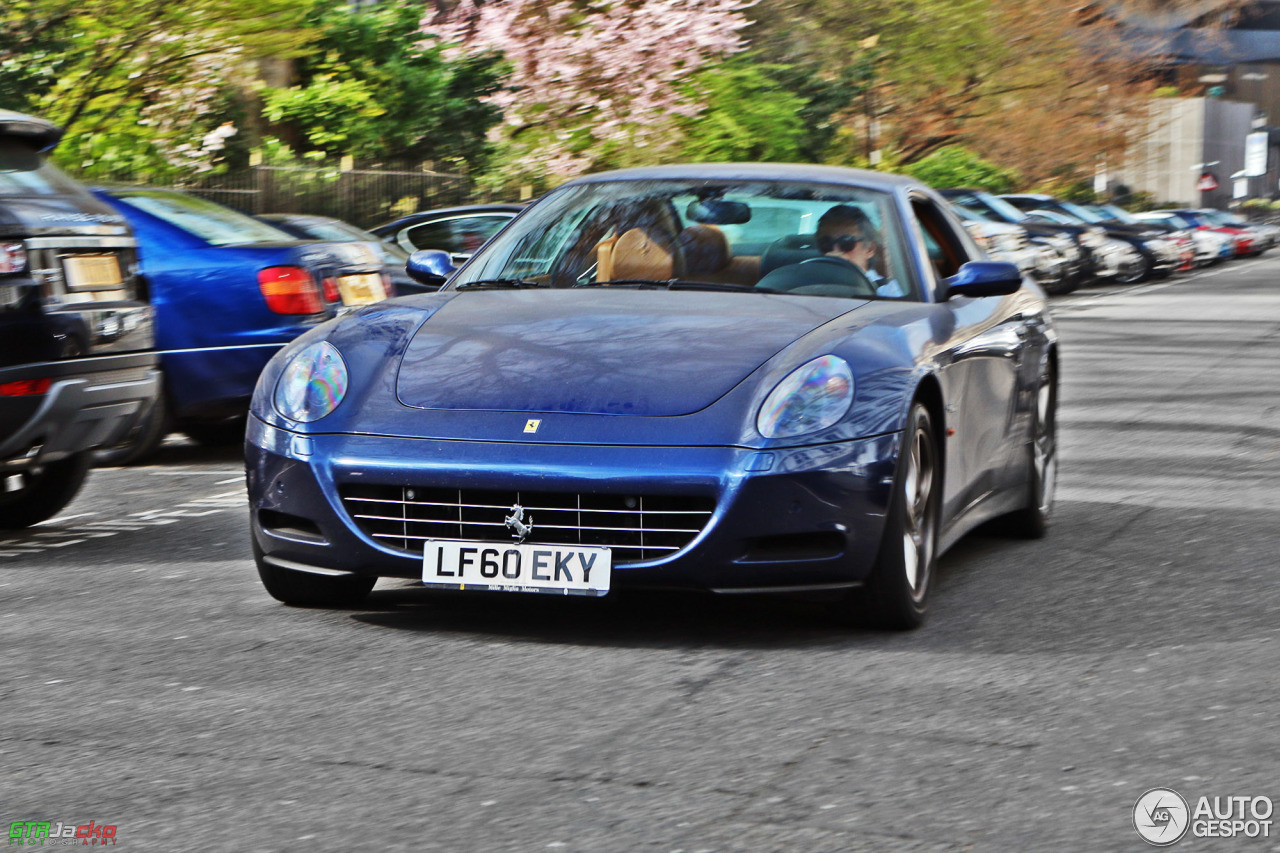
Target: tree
(140, 83)
(1016, 81)
(594, 83)
(746, 116)
(373, 89)
(957, 166)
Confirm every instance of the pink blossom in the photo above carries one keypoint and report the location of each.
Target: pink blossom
(613, 74)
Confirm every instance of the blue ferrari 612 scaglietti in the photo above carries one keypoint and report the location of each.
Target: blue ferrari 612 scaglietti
(738, 378)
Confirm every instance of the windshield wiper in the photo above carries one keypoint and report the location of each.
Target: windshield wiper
(498, 284)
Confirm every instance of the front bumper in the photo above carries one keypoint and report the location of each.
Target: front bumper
(784, 520)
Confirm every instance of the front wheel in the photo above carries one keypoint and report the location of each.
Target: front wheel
(1139, 273)
(896, 592)
(31, 496)
(224, 433)
(303, 589)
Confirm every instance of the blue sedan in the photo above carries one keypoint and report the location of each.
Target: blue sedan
(228, 292)
(736, 378)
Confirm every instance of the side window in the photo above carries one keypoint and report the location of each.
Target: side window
(428, 235)
(472, 232)
(947, 249)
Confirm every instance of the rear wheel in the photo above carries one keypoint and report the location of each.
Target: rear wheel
(304, 589)
(1032, 522)
(31, 496)
(895, 594)
(142, 440)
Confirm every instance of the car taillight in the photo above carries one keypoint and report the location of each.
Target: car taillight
(290, 290)
(26, 387)
(388, 287)
(331, 292)
(13, 258)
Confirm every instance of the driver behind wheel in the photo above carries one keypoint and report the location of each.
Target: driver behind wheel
(848, 242)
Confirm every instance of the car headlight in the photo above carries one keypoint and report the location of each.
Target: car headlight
(813, 397)
(313, 384)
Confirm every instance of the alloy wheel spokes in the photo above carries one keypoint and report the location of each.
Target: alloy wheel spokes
(918, 488)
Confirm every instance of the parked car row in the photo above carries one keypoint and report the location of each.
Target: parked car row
(1064, 245)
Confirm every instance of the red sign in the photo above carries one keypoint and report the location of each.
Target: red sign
(1207, 183)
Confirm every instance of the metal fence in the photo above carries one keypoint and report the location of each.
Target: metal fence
(364, 197)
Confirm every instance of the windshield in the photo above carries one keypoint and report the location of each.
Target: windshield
(969, 213)
(1081, 213)
(723, 235)
(25, 172)
(1218, 217)
(1119, 214)
(991, 204)
(1171, 218)
(211, 222)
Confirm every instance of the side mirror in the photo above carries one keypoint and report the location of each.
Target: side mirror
(430, 266)
(984, 278)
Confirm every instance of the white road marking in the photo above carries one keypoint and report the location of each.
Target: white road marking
(55, 533)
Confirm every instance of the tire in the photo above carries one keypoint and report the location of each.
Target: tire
(43, 491)
(216, 433)
(1062, 286)
(303, 589)
(1140, 273)
(895, 595)
(1032, 521)
(142, 440)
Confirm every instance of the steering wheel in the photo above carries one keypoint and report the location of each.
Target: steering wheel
(856, 284)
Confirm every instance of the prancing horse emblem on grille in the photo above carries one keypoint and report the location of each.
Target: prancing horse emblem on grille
(532, 425)
(515, 522)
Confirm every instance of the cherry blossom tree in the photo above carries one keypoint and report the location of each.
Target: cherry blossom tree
(594, 83)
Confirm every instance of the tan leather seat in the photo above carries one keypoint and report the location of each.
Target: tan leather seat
(637, 255)
(707, 257)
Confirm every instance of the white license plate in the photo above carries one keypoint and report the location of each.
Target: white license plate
(92, 272)
(361, 289)
(510, 567)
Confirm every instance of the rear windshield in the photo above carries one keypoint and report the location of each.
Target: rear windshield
(23, 171)
(210, 221)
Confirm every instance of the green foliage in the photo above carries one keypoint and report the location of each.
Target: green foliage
(136, 84)
(956, 166)
(372, 88)
(747, 116)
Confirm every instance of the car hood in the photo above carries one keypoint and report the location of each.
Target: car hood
(600, 351)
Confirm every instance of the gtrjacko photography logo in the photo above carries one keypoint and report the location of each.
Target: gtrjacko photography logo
(1162, 817)
(53, 833)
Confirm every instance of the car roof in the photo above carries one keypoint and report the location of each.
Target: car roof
(447, 212)
(756, 172)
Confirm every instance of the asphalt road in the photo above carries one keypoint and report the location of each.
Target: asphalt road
(150, 684)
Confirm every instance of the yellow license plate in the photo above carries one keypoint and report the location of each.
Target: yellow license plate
(361, 289)
(92, 272)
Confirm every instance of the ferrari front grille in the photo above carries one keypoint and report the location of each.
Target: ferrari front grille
(635, 527)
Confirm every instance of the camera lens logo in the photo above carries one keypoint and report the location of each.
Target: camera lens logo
(1161, 816)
